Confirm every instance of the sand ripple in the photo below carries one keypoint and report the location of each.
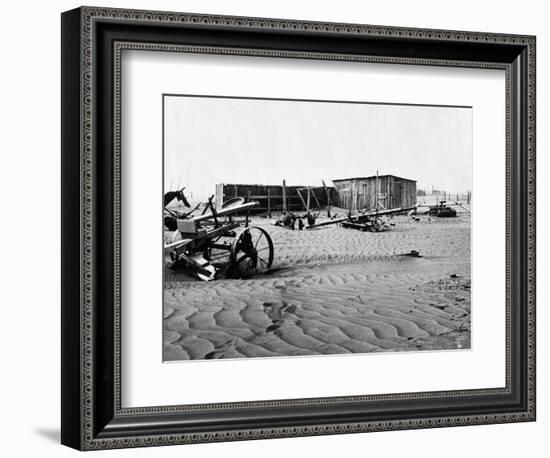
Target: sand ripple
(333, 291)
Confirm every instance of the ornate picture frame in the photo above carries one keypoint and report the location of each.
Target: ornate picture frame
(93, 416)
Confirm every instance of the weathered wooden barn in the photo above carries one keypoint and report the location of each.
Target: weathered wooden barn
(278, 198)
(363, 192)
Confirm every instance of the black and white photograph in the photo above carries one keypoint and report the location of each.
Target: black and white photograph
(314, 227)
(279, 223)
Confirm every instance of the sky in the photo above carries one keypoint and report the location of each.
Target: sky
(258, 141)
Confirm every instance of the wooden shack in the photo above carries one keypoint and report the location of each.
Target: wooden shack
(278, 198)
(363, 192)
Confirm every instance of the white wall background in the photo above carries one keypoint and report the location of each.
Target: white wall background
(30, 241)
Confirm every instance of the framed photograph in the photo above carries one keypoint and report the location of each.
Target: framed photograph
(276, 228)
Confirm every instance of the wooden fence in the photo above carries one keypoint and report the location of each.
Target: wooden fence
(278, 198)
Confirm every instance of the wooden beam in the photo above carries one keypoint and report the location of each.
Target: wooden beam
(284, 197)
(328, 197)
(315, 199)
(302, 199)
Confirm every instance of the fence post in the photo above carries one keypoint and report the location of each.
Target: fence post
(268, 202)
(328, 198)
(284, 197)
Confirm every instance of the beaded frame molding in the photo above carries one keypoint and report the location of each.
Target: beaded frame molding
(92, 42)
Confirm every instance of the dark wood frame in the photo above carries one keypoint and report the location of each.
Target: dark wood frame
(92, 39)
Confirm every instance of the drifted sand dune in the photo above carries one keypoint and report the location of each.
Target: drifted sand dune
(332, 291)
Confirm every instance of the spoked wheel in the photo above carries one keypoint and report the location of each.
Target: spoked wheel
(251, 253)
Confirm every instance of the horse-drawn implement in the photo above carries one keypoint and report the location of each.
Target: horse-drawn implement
(364, 221)
(215, 244)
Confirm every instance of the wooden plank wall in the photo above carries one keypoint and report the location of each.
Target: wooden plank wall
(258, 192)
(408, 194)
(361, 193)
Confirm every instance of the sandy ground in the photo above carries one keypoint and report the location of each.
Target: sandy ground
(332, 290)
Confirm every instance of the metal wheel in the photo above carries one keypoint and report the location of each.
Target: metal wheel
(251, 253)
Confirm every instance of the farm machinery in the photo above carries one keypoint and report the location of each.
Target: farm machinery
(296, 221)
(442, 209)
(171, 216)
(364, 221)
(216, 244)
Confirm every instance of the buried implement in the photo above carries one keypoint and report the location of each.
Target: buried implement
(443, 209)
(214, 244)
(364, 221)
